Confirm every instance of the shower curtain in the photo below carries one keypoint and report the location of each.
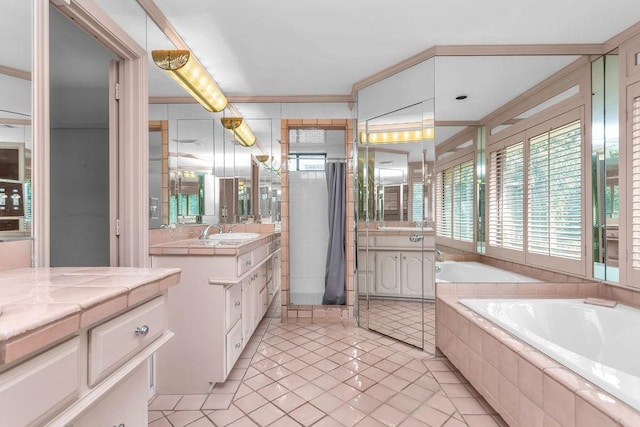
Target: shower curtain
(334, 273)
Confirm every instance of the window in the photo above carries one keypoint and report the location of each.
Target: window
(417, 201)
(635, 181)
(455, 208)
(535, 186)
(555, 193)
(306, 162)
(506, 194)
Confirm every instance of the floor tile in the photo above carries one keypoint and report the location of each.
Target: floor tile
(307, 414)
(266, 414)
(295, 373)
(191, 402)
(182, 418)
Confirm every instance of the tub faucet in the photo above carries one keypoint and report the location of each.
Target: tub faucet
(205, 232)
(439, 256)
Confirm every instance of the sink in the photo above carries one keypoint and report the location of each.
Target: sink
(233, 236)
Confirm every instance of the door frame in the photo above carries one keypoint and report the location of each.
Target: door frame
(129, 185)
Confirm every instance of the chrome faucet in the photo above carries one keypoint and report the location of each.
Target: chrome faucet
(439, 255)
(205, 232)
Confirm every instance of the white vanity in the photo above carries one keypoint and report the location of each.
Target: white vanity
(393, 264)
(226, 289)
(75, 344)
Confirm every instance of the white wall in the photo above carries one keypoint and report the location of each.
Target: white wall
(309, 235)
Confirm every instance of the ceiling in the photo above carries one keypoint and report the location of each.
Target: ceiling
(325, 47)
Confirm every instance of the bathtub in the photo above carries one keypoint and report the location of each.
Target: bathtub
(599, 343)
(475, 272)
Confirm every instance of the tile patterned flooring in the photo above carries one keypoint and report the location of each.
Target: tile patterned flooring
(301, 373)
(403, 320)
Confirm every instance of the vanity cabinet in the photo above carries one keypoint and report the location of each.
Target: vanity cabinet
(97, 377)
(214, 313)
(394, 266)
(404, 274)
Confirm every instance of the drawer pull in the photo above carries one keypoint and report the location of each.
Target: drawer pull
(238, 345)
(142, 330)
(237, 304)
(247, 262)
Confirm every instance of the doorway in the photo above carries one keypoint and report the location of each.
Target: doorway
(79, 168)
(128, 135)
(312, 153)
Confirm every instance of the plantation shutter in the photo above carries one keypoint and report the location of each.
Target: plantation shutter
(634, 120)
(463, 217)
(455, 208)
(555, 193)
(506, 197)
(443, 207)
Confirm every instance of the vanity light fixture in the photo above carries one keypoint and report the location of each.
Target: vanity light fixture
(191, 75)
(239, 128)
(263, 158)
(397, 137)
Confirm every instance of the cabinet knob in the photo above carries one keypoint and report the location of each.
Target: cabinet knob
(238, 345)
(237, 304)
(142, 330)
(416, 237)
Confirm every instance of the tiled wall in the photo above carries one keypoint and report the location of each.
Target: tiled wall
(324, 312)
(309, 235)
(523, 385)
(16, 254)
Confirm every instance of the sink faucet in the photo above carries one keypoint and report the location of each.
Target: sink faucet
(205, 232)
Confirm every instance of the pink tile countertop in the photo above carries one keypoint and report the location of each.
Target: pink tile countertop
(39, 306)
(209, 247)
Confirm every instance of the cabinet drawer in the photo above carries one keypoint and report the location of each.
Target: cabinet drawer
(245, 263)
(32, 389)
(233, 305)
(111, 342)
(234, 346)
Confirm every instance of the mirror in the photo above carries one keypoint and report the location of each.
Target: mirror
(208, 176)
(395, 245)
(15, 121)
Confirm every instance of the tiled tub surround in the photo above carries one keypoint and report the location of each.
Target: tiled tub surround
(69, 347)
(524, 386)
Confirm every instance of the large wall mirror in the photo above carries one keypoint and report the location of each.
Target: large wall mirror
(395, 239)
(200, 174)
(15, 120)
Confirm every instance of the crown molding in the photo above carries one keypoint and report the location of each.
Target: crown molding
(480, 50)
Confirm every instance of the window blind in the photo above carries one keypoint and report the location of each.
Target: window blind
(506, 197)
(635, 183)
(417, 201)
(555, 193)
(455, 208)
(463, 202)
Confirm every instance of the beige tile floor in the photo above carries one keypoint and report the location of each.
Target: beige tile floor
(403, 320)
(329, 374)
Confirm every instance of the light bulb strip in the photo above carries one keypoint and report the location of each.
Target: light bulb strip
(397, 137)
(185, 69)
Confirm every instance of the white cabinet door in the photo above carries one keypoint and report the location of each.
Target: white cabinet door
(417, 274)
(125, 405)
(248, 321)
(411, 274)
(387, 273)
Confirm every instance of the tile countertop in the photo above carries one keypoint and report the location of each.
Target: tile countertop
(39, 306)
(209, 247)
